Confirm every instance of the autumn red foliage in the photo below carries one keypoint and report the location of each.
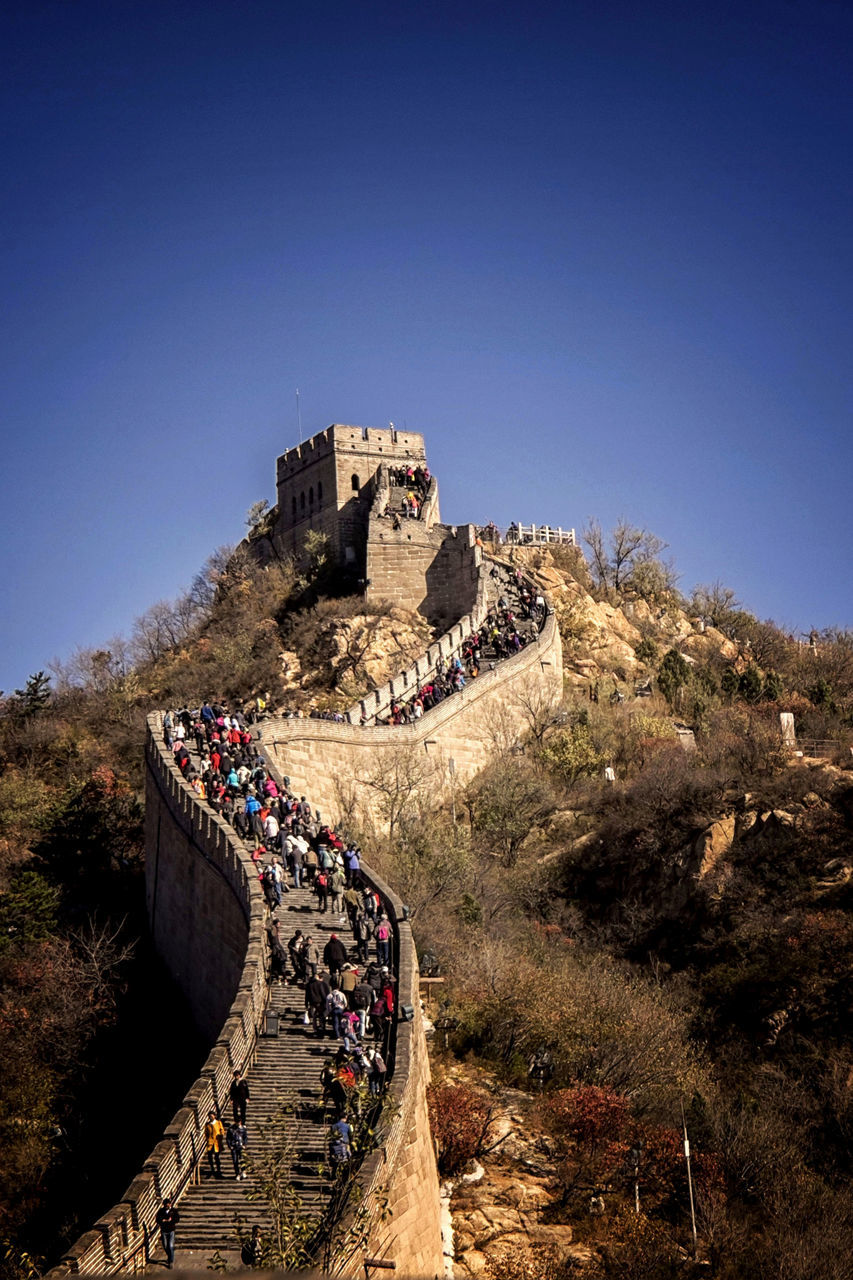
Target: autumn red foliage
(460, 1120)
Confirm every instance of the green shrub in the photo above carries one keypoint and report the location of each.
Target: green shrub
(27, 910)
(673, 675)
(647, 651)
(572, 754)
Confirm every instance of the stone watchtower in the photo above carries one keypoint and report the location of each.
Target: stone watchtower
(338, 483)
(329, 484)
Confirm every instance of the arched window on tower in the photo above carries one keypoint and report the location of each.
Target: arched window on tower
(356, 487)
(319, 492)
(302, 500)
(311, 496)
(294, 504)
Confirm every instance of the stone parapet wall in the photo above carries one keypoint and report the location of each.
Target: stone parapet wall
(430, 513)
(432, 568)
(175, 821)
(378, 702)
(321, 757)
(202, 895)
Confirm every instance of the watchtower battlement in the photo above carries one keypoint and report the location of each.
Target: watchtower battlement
(328, 484)
(401, 446)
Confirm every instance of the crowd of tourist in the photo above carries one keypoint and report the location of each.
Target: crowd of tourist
(511, 624)
(411, 478)
(414, 481)
(349, 990)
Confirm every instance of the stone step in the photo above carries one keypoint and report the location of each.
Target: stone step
(286, 1072)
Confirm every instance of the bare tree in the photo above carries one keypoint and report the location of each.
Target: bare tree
(713, 603)
(94, 670)
(505, 802)
(102, 952)
(626, 542)
(357, 631)
(542, 709)
(628, 558)
(162, 627)
(272, 1163)
(256, 512)
(431, 856)
(593, 536)
(395, 779)
(204, 585)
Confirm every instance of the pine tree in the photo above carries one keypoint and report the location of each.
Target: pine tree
(751, 684)
(673, 674)
(35, 695)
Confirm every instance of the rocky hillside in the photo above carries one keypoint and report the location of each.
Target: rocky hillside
(339, 653)
(601, 638)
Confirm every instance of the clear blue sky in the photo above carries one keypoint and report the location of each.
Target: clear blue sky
(600, 254)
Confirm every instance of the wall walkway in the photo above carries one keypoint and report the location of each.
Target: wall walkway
(467, 728)
(197, 867)
(207, 916)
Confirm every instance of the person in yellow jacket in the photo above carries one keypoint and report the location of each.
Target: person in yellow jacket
(214, 1136)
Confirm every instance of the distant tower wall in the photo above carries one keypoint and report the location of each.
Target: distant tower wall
(328, 484)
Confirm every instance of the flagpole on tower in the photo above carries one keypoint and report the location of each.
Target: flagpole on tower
(298, 416)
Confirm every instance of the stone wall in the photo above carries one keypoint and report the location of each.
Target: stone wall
(184, 836)
(198, 924)
(322, 758)
(376, 704)
(195, 868)
(430, 568)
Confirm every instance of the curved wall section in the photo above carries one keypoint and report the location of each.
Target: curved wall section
(202, 892)
(378, 702)
(207, 913)
(219, 959)
(465, 728)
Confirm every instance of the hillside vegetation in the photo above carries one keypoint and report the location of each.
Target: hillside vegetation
(679, 936)
(680, 933)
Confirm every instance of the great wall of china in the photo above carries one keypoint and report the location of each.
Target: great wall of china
(205, 904)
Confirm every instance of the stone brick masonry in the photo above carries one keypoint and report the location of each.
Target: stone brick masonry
(320, 757)
(204, 900)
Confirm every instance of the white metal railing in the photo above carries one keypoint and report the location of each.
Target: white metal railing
(540, 534)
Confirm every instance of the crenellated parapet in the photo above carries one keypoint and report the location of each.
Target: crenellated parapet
(197, 871)
(180, 831)
(328, 484)
(491, 712)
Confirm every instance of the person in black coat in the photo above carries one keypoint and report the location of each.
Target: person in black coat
(316, 991)
(239, 1095)
(334, 955)
(167, 1219)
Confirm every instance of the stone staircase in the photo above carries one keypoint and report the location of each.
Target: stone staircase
(502, 582)
(215, 1212)
(286, 1070)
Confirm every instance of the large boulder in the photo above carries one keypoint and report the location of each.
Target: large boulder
(713, 844)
